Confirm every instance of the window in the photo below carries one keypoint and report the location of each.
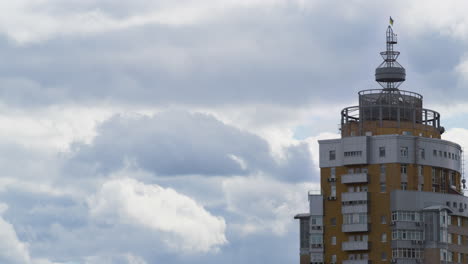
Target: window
(407, 253)
(356, 218)
(422, 153)
(404, 152)
(384, 237)
(382, 151)
(333, 172)
(382, 169)
(353, 153)
(316, 240)
(304, 229)
(404, 186)
(409, 216)
(459, 239)
(449, 238)
(383, 219)
(332, 155)
(459, 220)
(443, 254)
(316, 257)
(333, 221)
(434, 153)
(333, 258)
(407, 235)
(403, 168)
(383, 187)
(333, 240)
(420, 170)
(384, 256)
(440, 153)
(333, 189)
(445, 154)
(316, 220)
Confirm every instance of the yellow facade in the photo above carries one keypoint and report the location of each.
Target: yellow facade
(379, 201)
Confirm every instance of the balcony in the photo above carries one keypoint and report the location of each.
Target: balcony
(355, 245)
(316, 229)
(354, 178)
(354, 196)
(356, 261)
(316, 248)
(352, 209)
(355, 228)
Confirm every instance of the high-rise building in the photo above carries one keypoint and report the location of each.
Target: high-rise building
(391, 188)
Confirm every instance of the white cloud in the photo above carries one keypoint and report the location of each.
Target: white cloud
(12, 250)
(182, 222)
(266, 205)
(28, 21)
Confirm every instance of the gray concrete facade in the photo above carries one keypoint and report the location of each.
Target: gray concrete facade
(367, 150)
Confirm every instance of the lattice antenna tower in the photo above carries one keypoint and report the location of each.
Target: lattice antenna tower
(390, 74)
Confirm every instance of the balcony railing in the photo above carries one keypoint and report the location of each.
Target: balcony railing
(355, 245)
(355, 227)
(356, 261)
(354, 209)
(354, 196)
(354, 178)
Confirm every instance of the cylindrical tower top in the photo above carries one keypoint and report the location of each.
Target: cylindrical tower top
(390, 74)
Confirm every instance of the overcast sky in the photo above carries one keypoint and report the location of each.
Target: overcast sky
(163, 131)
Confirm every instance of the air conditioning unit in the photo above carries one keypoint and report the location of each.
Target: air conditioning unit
(392, 223)
(331, 179)
(331, 198)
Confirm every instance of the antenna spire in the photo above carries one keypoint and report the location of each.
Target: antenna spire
(390, 74)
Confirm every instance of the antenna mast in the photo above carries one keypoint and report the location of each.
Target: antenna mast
(390, 74)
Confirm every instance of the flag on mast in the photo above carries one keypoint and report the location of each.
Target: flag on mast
(391, 21)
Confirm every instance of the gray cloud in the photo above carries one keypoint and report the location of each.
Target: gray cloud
(180, 143)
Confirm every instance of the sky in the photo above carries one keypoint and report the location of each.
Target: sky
(162, 131)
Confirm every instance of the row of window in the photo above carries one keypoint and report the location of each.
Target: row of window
(445, 154)
(407, 253)
(407, 235)
(408, 216)
(353, 153)
(359, 218)
(403, 153)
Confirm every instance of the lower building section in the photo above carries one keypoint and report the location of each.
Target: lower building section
(424, 227)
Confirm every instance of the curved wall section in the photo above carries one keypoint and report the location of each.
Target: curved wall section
(390, 149)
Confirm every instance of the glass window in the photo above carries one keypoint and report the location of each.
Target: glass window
(403, 168)
(404, 186)
(383, 187)
(333, 221)
(404, 152)
(382, 169)
(422, 153)
(434, 153)
(333, 172)
(384, 255)
(332, 155)
(383, 219)
(333, 240)
(382, 151)
(333, 189)
(384, 237)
